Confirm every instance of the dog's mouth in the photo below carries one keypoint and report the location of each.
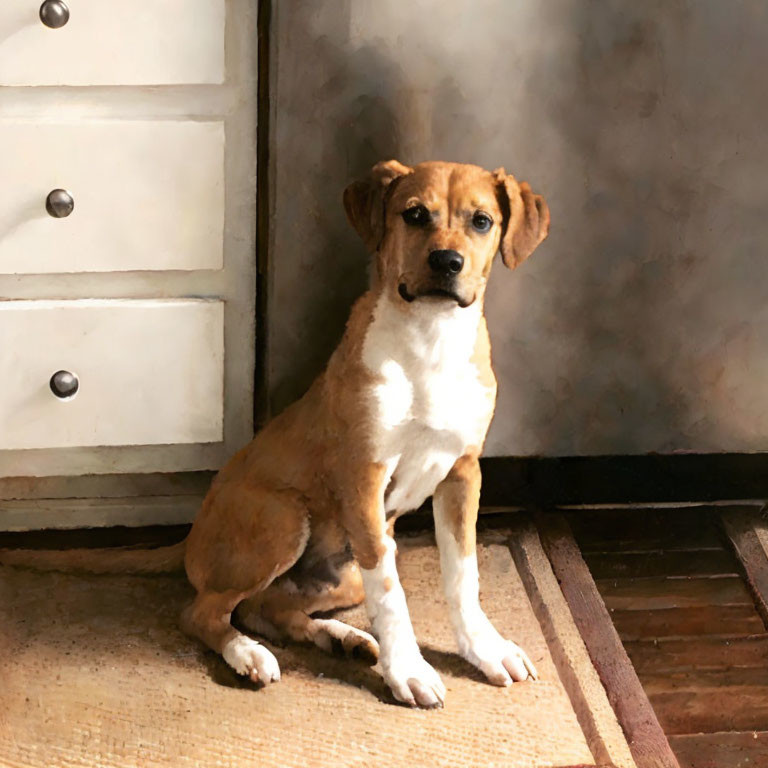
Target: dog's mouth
(438, 293)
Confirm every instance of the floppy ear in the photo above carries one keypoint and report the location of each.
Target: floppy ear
(526, 219)
(364, 201)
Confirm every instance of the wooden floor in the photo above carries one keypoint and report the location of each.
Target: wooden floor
(688, 620)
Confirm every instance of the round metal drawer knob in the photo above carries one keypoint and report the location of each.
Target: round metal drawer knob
(64, 384)
(54, 13)
(59, 203)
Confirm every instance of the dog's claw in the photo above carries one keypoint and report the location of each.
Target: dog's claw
(532, 673)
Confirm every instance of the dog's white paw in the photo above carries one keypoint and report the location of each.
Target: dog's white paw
(332, 635)
(414, 682)
(500, 660)
(247, 657)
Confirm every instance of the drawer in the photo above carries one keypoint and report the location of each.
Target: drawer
(147, 195)
(148, 372)
(142, 42)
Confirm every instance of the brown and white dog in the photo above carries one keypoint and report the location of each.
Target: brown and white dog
(300, 520)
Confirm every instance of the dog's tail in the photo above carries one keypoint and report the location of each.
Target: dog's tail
(105, 560)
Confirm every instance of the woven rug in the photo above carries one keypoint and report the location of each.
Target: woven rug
(95, 672)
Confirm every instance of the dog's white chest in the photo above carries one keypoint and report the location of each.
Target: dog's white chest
(428, 404)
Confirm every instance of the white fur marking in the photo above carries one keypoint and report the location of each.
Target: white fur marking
(395, 395)
(411, 679)
(247, 657)
(387, 609)
(429, 405)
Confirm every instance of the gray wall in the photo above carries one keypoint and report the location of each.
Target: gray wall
(641, 323)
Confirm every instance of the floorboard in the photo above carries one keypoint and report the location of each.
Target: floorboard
(674, 654)
(687, 622)
(697, 562)
(722, 750)
(657, 593)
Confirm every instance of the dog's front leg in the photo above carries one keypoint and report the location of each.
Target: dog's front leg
(455, 504)
(411, 679)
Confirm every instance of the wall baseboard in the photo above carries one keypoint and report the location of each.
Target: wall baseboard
(38, 514)
(652, 478)
(507, 482)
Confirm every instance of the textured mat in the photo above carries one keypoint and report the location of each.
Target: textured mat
(94, 672)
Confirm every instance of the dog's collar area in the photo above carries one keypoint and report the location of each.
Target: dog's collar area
(434, 292)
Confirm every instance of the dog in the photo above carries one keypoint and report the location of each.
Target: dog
(301, 520)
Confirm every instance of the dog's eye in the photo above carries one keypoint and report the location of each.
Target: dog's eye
(482, 222)
(416, 216)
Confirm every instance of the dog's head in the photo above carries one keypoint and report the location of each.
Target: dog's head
(436, 227)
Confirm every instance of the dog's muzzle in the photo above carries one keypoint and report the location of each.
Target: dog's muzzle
(445, 266)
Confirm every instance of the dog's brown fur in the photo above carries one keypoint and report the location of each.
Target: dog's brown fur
(291, 518)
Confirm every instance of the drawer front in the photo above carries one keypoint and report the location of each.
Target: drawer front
(146, 196)
(142, 42)
(148, 372)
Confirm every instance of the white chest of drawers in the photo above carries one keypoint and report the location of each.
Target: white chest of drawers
(127, 248)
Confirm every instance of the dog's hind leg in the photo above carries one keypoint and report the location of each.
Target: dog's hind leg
(284, 612)
(242, 540)
(208, 619)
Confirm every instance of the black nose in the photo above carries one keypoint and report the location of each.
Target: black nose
(447, 262)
